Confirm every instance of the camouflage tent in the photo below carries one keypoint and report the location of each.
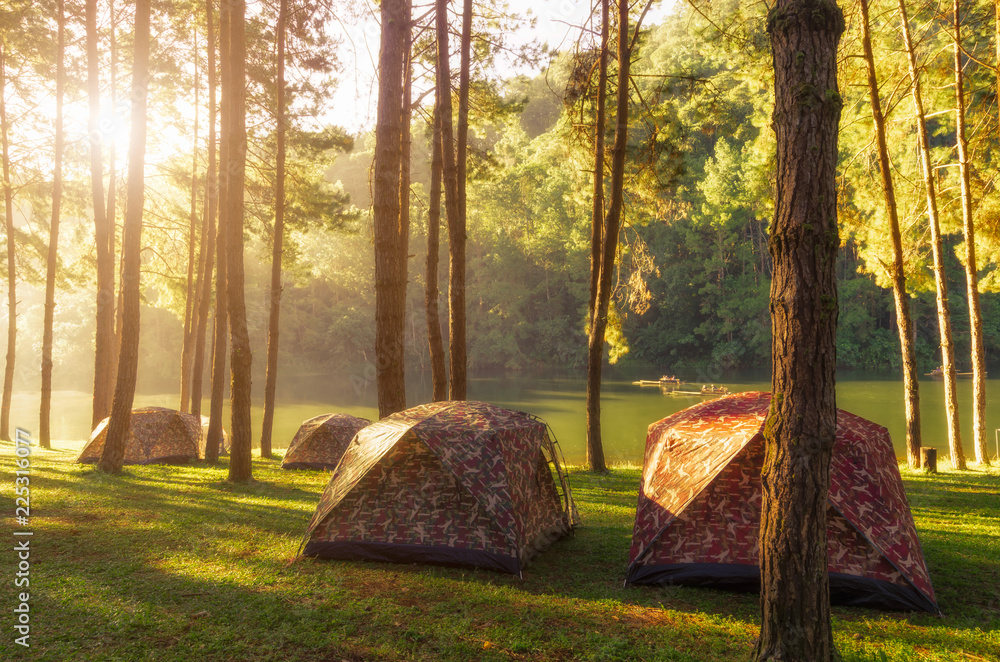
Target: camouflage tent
(698, 517)
(448, 483)
(321, 441)
(156, 435)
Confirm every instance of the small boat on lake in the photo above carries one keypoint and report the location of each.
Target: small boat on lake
(714, 390)
(667, 382)
(937, 374)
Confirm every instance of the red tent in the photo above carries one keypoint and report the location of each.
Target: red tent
(698, 517)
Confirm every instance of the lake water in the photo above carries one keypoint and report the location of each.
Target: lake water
(559, 399)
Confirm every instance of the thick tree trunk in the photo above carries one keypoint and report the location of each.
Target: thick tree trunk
(220, 336)
(271, 378)
(802, 422)
(208, 235)
(44, 432)
(595, 355)
(390, 238)
(911, 393)
(439, 375)
(8, 198)
(103, 230)
(971, 274)
(937, 249)
(128, 363)
(187, 344)
(240, 357)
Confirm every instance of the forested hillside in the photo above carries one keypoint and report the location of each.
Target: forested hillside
(694, 269)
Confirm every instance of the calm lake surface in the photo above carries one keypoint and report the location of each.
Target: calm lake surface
(559, 399)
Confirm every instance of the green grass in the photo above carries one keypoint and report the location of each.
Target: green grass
(173, 563)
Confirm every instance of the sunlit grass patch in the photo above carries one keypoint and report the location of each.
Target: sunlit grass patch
(174, 563)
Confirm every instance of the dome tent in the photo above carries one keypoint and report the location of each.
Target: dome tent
(698, 515)
(448, 483)
(156, 435)
(320, 441)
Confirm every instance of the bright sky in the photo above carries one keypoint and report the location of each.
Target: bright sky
(356, 96)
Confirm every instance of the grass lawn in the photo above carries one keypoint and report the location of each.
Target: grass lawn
(173, 563)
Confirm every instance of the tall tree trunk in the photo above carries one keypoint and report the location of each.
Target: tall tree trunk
(103, 228)
(971, 274)
(8, 198)
(121, 408)
(114, 298)
(612, 226)
(937, 249)
(439, 375)
(449, 175)
(911, 393)
(220, 336)
(44, 432)
(271, 378)
(390, 238)
(595, 356)
(802, 420)
(456, 230)
(240, 357)
(208, 235)
(187, 345)
(405, 150)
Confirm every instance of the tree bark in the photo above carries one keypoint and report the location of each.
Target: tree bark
(439, 375)
(911, 392)
(103, 231)
(390, 237)
(187, 345)
(802, 421)
(240, 356)
(457, 344)
(405, 141)
(271, 378)
(114, 298)
(219, 338)
(937, 248)
(595, 355)
(8, 198)
(456, 234)
(971, 275)
(44, 432)
(208, 235)
(121, 408)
